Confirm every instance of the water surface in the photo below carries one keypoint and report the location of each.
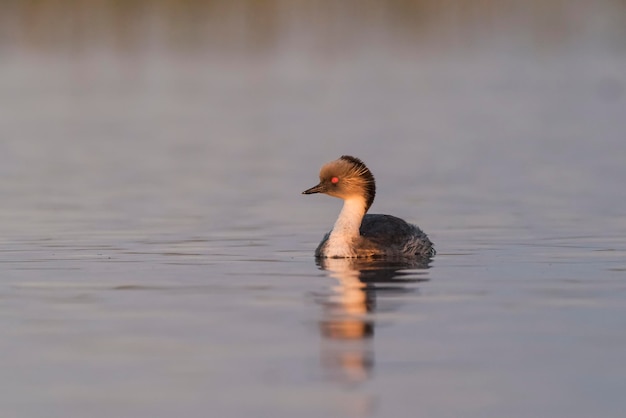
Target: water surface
(156, 254)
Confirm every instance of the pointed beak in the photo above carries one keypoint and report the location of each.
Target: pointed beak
(316, 189)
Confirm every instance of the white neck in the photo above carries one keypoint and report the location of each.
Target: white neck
(346, 228)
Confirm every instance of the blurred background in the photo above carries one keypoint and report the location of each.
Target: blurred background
(108, 107)
(157, 256)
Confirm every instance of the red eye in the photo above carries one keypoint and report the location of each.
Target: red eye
(334, 180)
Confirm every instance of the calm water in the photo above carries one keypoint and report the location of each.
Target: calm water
(156, 255)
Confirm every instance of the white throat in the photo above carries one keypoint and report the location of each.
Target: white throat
(346, 229)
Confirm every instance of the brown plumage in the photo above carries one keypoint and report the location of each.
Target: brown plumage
(356, 234)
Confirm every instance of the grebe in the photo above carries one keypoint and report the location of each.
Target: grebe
(356, 234)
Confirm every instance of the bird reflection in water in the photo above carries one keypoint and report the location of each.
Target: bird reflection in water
(348, 322)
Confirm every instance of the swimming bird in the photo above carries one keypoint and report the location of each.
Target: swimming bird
(355, 233)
